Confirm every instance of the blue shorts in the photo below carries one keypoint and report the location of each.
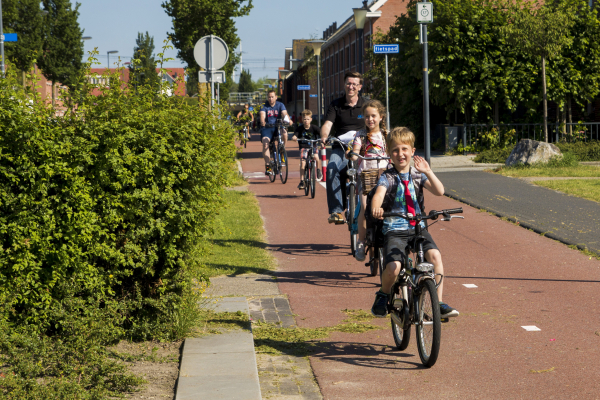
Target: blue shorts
(267, 133)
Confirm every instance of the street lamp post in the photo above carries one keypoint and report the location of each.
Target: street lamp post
(316, 45)
(360, 17)
(108, 53)
(295, 64)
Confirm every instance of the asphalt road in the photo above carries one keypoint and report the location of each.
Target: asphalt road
(569, 219)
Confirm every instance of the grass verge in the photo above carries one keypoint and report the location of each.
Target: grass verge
(586, 188)
(272, 339)
(567, 166)
(237, 244)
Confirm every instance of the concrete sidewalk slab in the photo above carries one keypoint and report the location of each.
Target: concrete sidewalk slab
(220, 366)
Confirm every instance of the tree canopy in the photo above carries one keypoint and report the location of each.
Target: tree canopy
(23, 17)
(143, 67)
(245, 84)
(194, 19)
(62, 54)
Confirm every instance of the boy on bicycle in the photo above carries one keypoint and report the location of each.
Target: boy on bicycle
(309, 132)
(400, 189)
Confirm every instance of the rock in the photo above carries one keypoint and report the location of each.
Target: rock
(529, 151)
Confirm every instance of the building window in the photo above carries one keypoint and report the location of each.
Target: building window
(343, 66)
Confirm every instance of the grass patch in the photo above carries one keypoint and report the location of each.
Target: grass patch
(492, 156)
(272, 339)
(213, 322)
(567, 166)
(585, 188)
(237, 244)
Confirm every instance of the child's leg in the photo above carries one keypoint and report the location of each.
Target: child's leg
(388, 278)
(318, 162)
(435, 257)
(302, 167)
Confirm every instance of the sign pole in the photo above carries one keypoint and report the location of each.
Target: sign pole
(303, 100)
(387, 95)
(426, 96)
(1, 42)
(212, 82)
(319, 89)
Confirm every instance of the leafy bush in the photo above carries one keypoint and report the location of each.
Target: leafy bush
(493, 156)
(584, 151)
(101, 216)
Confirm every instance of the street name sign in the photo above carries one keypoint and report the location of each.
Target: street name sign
(312, 95)
(303, 87)
(424, 13)
(386, 49)
(9, 37)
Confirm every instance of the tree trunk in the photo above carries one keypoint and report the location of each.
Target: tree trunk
(570, 115)
(545, 99)
(564, 119)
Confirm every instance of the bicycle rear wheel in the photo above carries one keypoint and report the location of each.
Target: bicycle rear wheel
(353, 243)
(429, 326)
(283, 164)
(246, 136)
(374, 261)
(313, 178)
(380, 262)
(400, 320)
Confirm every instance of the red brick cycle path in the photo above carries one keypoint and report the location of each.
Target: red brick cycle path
(522, 279)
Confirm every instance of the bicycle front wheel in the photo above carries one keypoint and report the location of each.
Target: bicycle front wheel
(374, 261)
(429, 325)
(313, 178)
(380, 262)
(283, 164)
(306, 179)
(273, 166)
(400, 320)
(351, 205)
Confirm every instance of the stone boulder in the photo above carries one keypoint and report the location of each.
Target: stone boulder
(529, 151)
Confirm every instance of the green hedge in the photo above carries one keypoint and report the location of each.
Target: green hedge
(108, 202)
(584, 151)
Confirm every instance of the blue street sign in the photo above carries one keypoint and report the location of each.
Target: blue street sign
(303, 87)
(312, 95)
(10, 37)
(250, 108)
(386, 48)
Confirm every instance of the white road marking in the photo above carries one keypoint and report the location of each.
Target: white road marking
(323, 184)
(469, 285)
(531, 328)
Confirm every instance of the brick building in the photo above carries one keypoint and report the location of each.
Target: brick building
(340, 51)
(339, 54)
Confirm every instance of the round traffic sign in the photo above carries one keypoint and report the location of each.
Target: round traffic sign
(202, 52)
(425, 12)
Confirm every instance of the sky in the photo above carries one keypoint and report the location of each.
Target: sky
(265, 33)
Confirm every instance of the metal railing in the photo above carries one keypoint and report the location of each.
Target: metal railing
(247, 97)
(477, 137)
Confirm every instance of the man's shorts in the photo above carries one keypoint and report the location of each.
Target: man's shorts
(396, 241)
(303, 153)
(268, 133)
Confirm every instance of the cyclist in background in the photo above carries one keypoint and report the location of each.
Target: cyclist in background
(269, 113)
(310, 132)
(345, 116)
(245, 116)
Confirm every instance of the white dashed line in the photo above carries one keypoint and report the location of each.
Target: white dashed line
(323, 184)
(469, 285)
(531, 328)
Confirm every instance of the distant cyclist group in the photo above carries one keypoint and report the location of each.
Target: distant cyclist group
(358, 126)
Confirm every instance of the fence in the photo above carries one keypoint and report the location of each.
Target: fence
(247, 97)
(477, 137)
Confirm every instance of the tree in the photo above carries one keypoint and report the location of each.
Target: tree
(24, 18)
(194, 19)
(61, 59)
(245, 84)
(541, 31)
(143, 66)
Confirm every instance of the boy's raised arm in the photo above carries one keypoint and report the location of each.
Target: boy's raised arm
(433, 184)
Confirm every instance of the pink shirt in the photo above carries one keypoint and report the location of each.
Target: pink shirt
(376, 148)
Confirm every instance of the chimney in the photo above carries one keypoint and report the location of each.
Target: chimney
(334, 27)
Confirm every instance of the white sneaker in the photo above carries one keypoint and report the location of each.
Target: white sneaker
(360, 252)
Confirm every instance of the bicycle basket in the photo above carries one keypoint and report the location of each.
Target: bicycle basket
(369, 179)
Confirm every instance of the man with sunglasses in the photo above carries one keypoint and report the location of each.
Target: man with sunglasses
(344, 116)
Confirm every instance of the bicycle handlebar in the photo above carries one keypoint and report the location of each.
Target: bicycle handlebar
(276, 125)
(310, 141)
(368, 158)
(433, 214)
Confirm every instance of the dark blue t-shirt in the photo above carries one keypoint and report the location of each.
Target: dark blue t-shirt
(272, 113)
